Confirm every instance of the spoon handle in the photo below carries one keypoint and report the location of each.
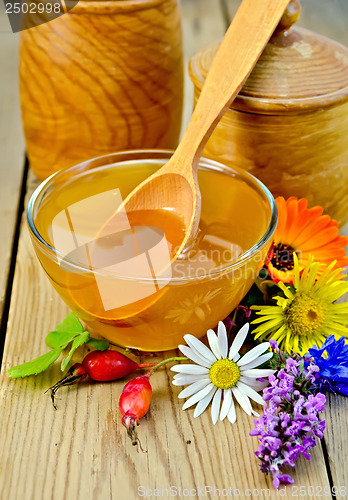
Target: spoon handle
(241, 47)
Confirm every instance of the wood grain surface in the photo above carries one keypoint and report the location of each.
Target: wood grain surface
(81, 451)
(11, 147)
(336, 436)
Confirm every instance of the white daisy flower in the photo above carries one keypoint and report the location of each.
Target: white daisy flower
(220, 374)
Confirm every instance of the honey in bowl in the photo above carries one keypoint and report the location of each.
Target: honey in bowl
(122, 281)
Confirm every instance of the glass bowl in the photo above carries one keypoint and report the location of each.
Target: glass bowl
(103, 281)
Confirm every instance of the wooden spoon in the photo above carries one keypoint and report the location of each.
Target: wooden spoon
(172, 193)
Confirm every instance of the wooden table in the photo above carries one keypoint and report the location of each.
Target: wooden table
(81, 450)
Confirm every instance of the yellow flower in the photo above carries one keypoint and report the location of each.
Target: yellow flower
(308, 312)
(305, 232)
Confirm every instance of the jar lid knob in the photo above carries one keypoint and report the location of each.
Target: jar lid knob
(290, 16)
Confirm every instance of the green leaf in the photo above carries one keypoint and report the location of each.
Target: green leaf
(65, 332)
(70, 323)
(35, 366)
(78, 341)
(100, 344)
(61, 340)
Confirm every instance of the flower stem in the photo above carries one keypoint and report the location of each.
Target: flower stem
(161, 363)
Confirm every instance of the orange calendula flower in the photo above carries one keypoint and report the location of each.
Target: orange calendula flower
(304, 231)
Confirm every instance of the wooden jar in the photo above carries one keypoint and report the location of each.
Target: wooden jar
(106, 76)
(289, 124)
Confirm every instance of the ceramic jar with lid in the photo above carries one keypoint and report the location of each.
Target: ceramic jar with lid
(289, 124)
(104, 77)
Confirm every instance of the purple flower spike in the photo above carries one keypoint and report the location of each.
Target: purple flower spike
(290, 422)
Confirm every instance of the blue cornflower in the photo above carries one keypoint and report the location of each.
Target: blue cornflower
(333, 367)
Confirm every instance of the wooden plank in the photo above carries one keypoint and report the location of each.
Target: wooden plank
(11, 147)
(336, 436)
(336, 440)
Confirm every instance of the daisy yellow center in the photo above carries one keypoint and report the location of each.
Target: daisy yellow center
(224, 373)
(305, 315)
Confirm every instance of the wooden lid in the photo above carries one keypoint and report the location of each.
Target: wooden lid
(299, 71)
